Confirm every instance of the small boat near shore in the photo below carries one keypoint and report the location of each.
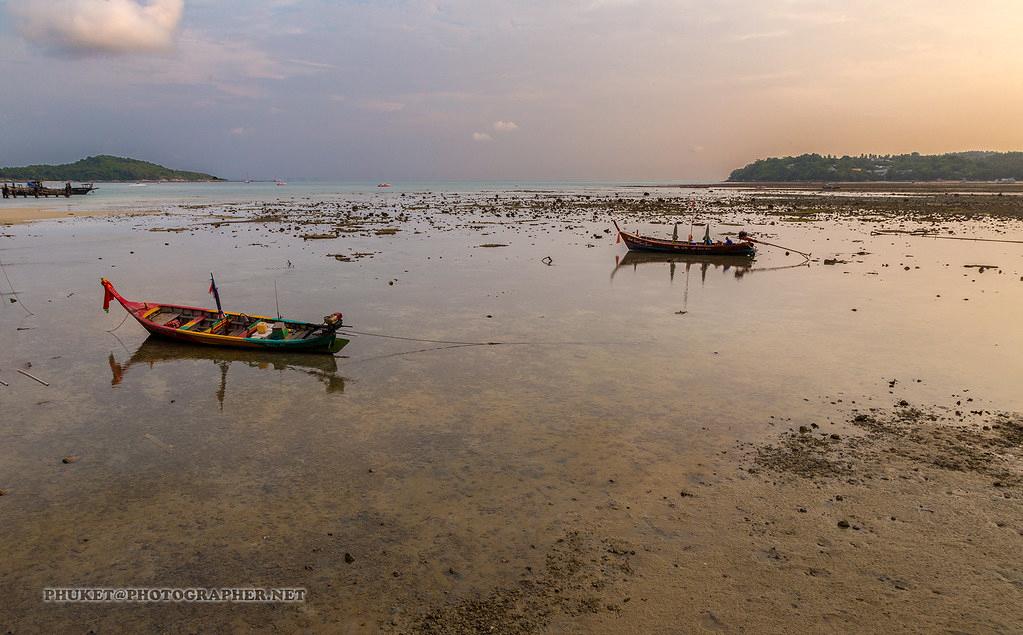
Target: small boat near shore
(215, 327)
(637, 242)
(36, 189)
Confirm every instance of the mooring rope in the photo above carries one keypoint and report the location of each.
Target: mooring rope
(418, 339)
(126, 316)
(764, 242)
(421, 350)
(345, 330)
(13, 291)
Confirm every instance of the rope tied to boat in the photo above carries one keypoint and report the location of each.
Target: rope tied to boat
(745, 236)
(419, 339)
(14, 291)
(125, 319)
(344, 330)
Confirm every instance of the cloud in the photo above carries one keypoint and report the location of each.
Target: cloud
(481, 137)
(99, 26)
(505, 126)
(760, 35)
(233, 67)
(311, 64)
(374, 105)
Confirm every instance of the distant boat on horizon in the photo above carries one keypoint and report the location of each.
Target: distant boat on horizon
(280, 183)
(383, 185)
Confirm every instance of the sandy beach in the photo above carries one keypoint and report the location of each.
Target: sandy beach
(519, 318)
(512, 442)
(17, 215)
(11, 215)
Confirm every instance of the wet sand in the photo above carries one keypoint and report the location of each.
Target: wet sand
(660, 446)
(11, 215)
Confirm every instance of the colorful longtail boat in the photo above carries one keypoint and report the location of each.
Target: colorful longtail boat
(212, 327)
(637, 242)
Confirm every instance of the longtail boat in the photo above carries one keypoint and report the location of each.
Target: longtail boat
(82, 189)
(214, 327)
(637, 242)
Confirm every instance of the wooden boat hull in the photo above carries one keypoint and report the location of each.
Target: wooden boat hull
(317, 338)
(324, 344)
(636, 242)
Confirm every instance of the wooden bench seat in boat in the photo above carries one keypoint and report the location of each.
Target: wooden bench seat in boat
(164, 319)
(217, 326)
(299, 334)
(238, 330)
(191, 324)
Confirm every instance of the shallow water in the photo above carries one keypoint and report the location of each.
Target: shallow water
(150, 196)
(211, 468)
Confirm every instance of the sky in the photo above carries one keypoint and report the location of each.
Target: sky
(633, 90)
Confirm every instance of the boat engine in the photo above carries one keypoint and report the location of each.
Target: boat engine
(333, 321)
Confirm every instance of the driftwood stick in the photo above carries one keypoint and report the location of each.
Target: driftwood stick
(30, 375)
(886, 232)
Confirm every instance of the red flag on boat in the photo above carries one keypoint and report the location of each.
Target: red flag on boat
(216, 295)
(108, 295)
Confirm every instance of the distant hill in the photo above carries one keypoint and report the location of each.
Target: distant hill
(103, 168)
(955, 166)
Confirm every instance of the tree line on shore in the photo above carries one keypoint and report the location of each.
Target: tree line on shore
(953, 166)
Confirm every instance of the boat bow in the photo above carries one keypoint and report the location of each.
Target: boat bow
(110, 293)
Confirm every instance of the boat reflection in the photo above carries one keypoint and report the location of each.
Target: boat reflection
(739, 265)
(154, 351)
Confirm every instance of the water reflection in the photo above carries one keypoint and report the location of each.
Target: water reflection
(739, 265)
(154, 351)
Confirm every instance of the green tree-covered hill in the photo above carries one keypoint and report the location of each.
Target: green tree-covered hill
(955, 166)
(103, 168)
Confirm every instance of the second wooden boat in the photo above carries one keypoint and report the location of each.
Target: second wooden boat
(638, 242)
